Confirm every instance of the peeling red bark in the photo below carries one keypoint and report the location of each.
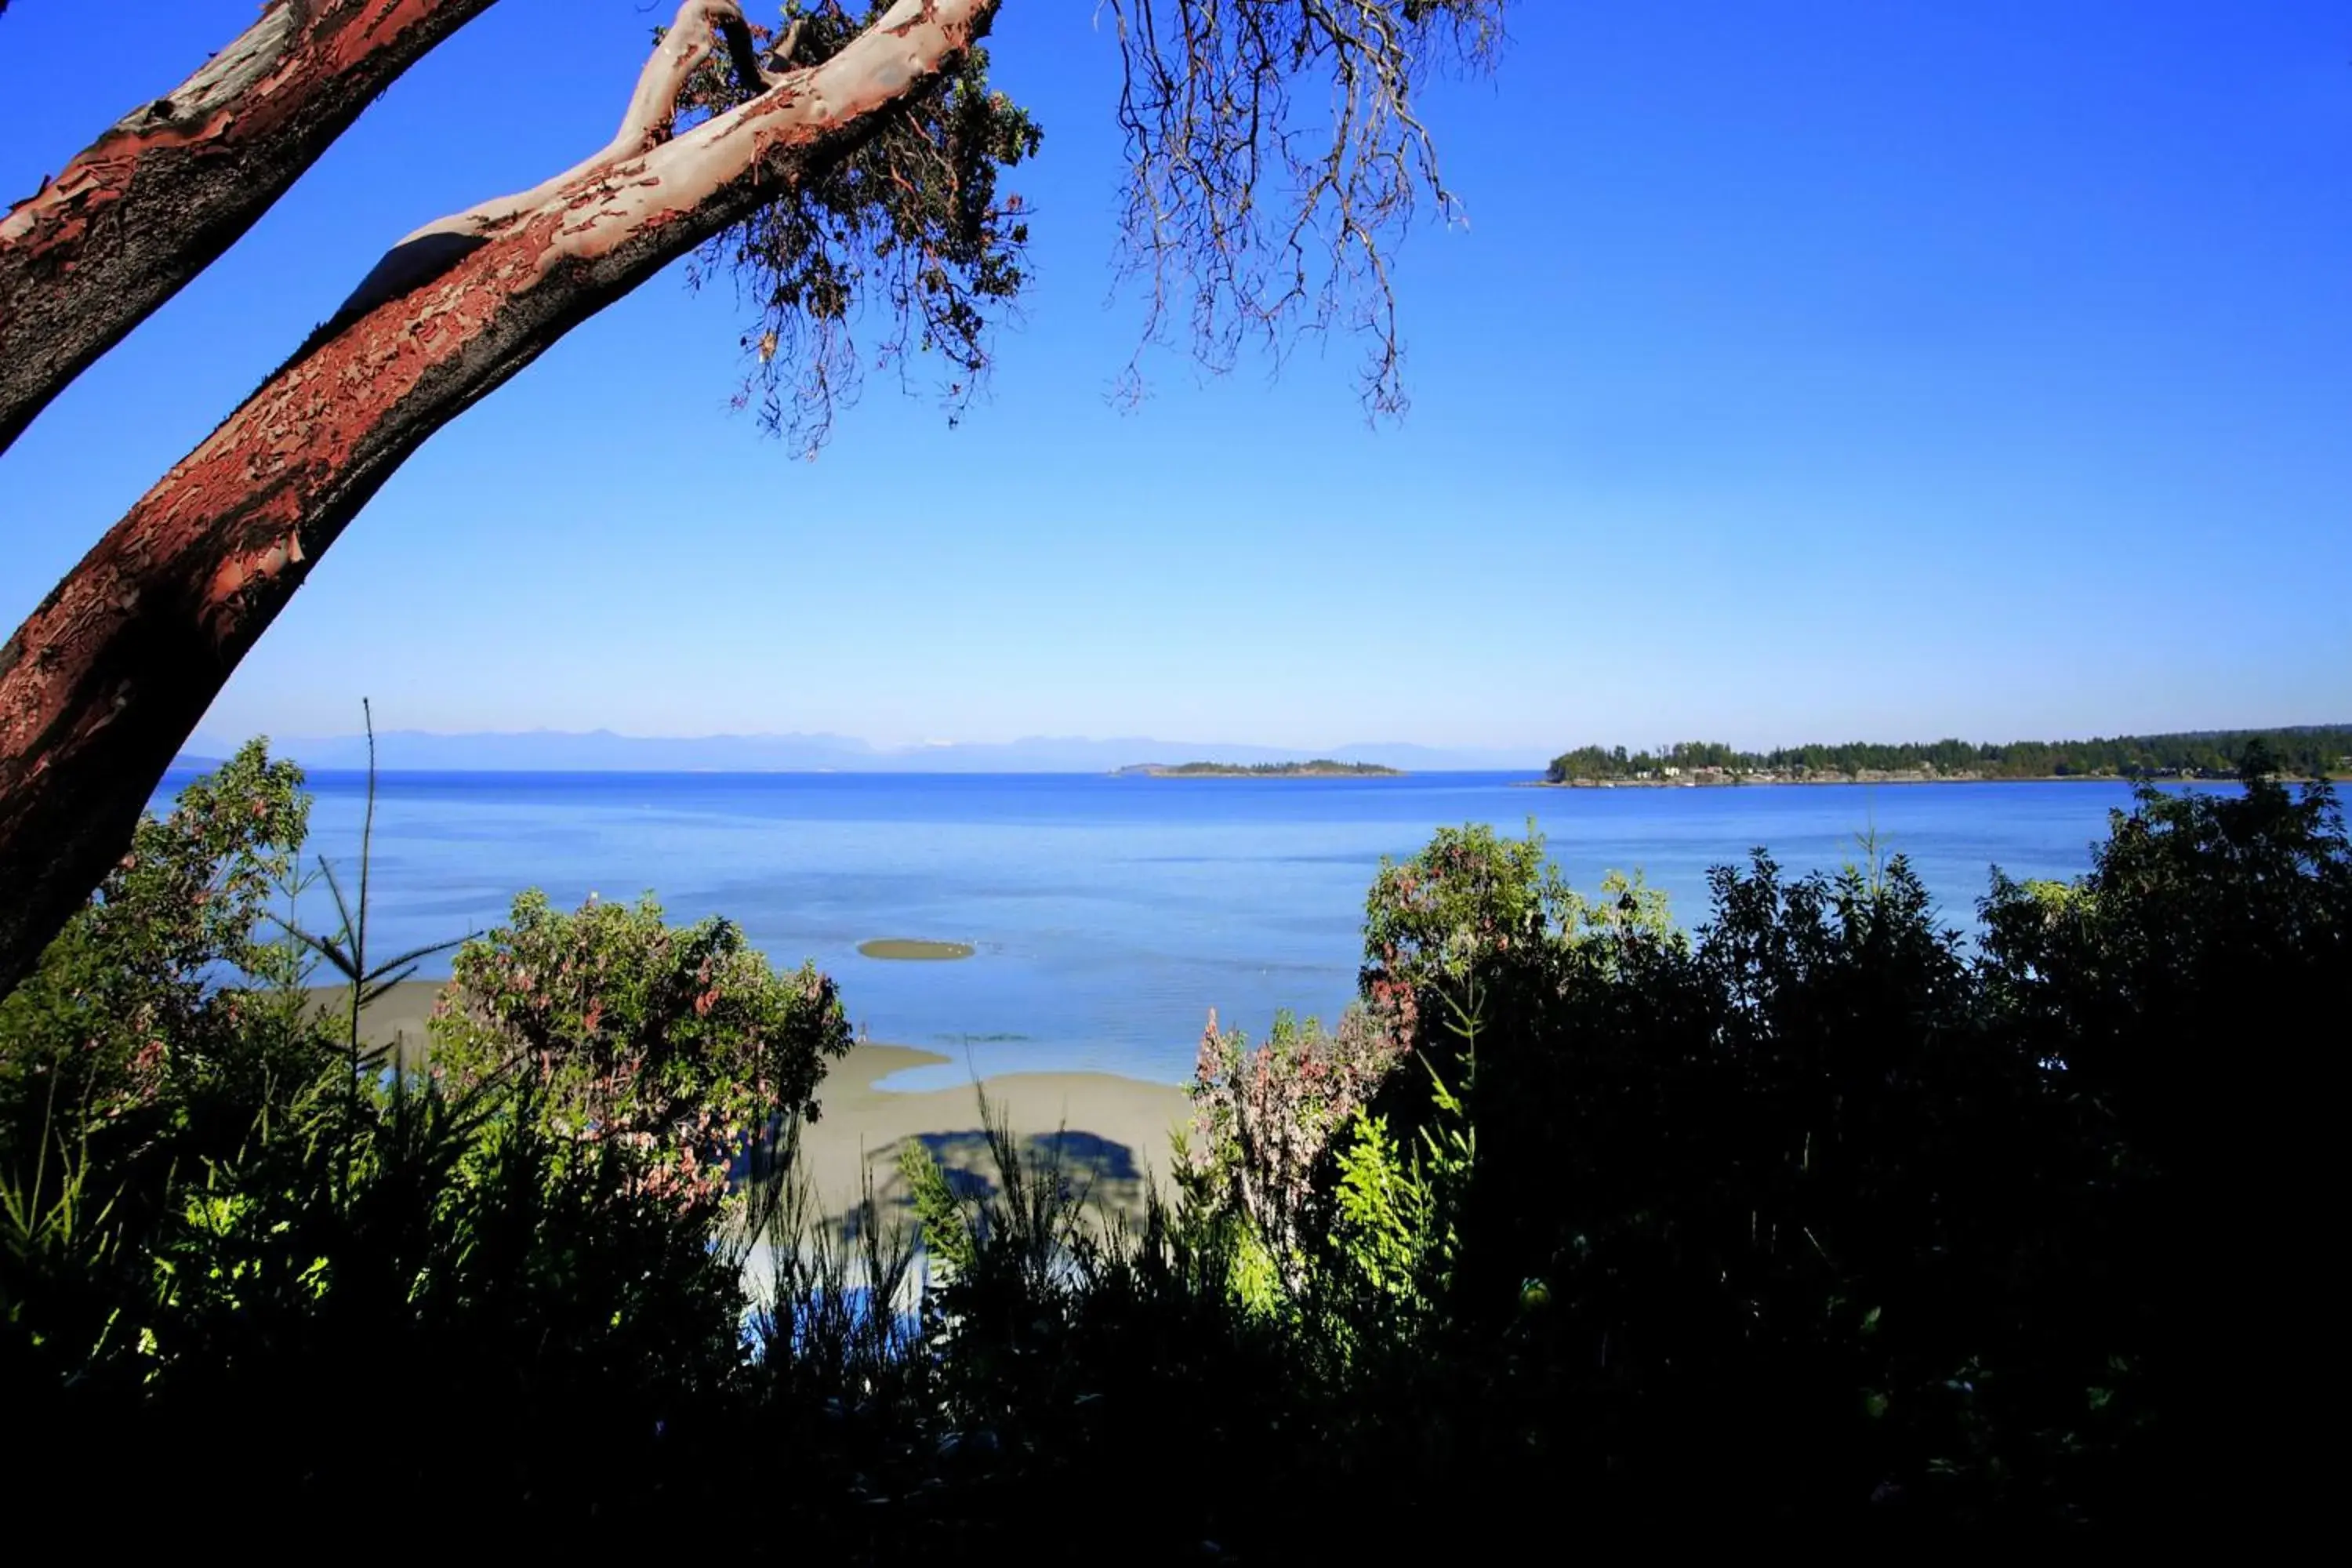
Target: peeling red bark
(106, 680)
(159, 197)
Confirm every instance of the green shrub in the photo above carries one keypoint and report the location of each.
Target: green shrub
(124, 1031)
(1264, 1120)
(231, 1236)
(679, 1043)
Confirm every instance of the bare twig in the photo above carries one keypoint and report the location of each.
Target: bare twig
(1218, 101)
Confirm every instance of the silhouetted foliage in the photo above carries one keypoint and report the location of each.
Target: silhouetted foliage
(229, 1236)
(910, 223)
(1276, 156)
(1818, 1217)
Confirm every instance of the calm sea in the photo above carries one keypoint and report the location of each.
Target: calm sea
(1109, 914)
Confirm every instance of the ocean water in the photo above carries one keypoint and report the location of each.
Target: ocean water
(1109, 914)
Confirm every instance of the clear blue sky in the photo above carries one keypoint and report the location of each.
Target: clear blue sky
(1811, 371)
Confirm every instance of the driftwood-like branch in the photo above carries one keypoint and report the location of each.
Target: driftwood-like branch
(105, 680)
(178, 180)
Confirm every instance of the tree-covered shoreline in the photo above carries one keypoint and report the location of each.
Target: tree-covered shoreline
(2303, 751)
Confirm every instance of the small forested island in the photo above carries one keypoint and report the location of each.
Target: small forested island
(2304, 752)
(1320, 768)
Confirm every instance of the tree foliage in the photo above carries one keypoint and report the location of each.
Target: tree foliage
(680, 1043)
(911, 230)
(1275, 157)
(124, 1021)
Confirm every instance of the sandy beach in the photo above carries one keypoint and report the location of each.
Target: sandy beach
(1114, 1131)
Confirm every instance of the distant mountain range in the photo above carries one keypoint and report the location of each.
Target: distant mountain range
(601, 751)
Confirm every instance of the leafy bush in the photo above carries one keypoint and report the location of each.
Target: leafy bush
(122, 1029)
(231, 1235)
(682, 1044)
(2183, 999)
(125, 1066)
(1263, 1119)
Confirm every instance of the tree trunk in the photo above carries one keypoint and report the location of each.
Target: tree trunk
(107, 678)
(159, 196)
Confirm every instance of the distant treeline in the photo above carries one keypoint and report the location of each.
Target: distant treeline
(2309, 752)
(1319, 766)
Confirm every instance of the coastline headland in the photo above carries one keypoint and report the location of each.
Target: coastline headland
(2304, 752)
(1724, 780)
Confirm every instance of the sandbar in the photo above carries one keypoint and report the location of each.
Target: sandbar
(906, 949)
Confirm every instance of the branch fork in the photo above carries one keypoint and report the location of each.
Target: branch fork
(651, 119)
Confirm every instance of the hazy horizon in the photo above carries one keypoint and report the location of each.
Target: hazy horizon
(593, 750)
(610, 750)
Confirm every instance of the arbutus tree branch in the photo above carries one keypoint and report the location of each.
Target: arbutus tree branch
(109, 676)
(174, 182)
(870, 173)
(428, 252)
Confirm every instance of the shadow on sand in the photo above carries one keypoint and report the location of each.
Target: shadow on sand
(1097, 1170)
